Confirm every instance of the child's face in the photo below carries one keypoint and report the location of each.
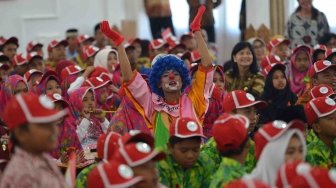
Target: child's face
(88, 102)
(21, 69)
(279, 80)
(58, 53)
(251, 114)
(112, 61)
(21, 87)
(218, 80)
(243, 58)
(38, 138)
(171, 81)
(36, 63)
(186, 153)
(149, 174)
(104, 93)
(190, 43)
(326, 126)
(320, 56)
(138, 49)
(53, 87)
(294, 151)
(10, 50)
(3, 74)
(282, 51)
(302, 61)
(328, 76)
(34, 79)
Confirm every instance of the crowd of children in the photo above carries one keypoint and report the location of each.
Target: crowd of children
(164, 114)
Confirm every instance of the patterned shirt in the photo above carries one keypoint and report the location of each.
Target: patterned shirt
(209, 148)
(82, 176)
(319, 154)
(229, 169)
(174, 176)
(27, 170)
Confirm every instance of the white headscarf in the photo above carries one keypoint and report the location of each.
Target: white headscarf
(100, 59)
(273, 156)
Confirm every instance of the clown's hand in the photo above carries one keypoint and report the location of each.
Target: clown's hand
(195, 25)
(110, 33)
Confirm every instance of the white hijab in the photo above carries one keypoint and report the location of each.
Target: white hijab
(100, 59)
(273, 156)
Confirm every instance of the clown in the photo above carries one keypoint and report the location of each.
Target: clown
(165, 99)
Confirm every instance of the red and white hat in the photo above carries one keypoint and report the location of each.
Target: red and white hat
(82, 38)
(269, 60)
(329, 52)
(32, 55)
(185, 127)
(70, 70)
(32, 44)
(268, 68)
(107, 145)
(234, 127)
(246, 183)
(302, 47)
(101, 72)
(276, 41)
(240, 99)
(30, 108)
(320, 66)
(322, 90)
(90, 51)
(134, 136)
(49, 74)
(55, 97)
(195, 56)
(319, 107)
(96, 82)
(31, 72)
(157, 43)
(288, 173)
(135, 154)
(272, 131)
(4, 41)
(55, 43)
(112, 174)
(320, 47)
(18, 59)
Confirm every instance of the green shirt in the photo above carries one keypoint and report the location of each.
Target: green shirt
(82, 176)
(319, 154)
(173, 175)
(229, 169)
(311, 137)
(210, 149)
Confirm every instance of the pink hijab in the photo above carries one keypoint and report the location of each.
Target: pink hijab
(297, 78)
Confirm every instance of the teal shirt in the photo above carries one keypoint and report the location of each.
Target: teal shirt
(319, 154)
(81, 179)
(229, 170)
(173, 175)
(209, 148)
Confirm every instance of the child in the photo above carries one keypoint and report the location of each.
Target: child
(275, 144)
(56, 53)
(32, 77)
(279, 46)
(4, 68)
(330, 55)
(35, 61)
(89, 55)
(189, 41)
(321, 115)
(168, 79)
(49, 84)
(9, 46)
(156, 47)
(91, 122)
(300, 63)
(34, 46)
(32, 121)
(184, 166)
(318, 52)
(233, 147)
(14, 84)
(322, 90)
(20, 65)
(278, 95)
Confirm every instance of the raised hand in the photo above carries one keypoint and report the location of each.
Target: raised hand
(195, 25)
(110, 33)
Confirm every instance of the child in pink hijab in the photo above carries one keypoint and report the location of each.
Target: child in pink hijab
(300, 62)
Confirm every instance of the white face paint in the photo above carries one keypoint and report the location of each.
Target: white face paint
(172, 85)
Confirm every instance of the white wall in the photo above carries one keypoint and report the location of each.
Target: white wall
(257, 13)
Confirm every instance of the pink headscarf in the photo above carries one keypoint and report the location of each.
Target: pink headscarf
(297, 78)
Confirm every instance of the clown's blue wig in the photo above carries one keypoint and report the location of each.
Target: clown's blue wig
(163, 64)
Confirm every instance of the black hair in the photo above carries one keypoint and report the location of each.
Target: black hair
(315, 54)
(313, 9)
(96, 28)
(174, 139)
(238, 47)
(230, 153)
(14, 140)
(72, 30)
(326, 38)
(144, 48)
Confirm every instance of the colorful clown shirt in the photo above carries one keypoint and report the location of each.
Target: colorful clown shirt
(158, 114)
(173, 175)
(319, 154)
(229, 170)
